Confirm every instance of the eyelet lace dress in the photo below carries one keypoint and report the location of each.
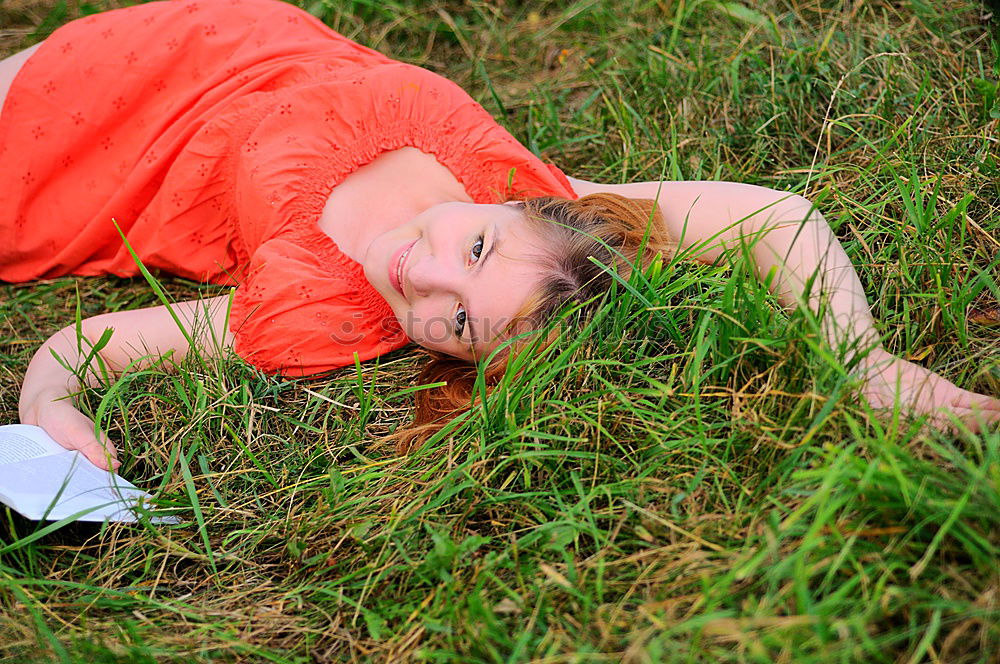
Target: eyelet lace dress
(212, 133)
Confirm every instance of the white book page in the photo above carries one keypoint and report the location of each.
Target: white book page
(21, 441)
(63, 485)
(42, 480)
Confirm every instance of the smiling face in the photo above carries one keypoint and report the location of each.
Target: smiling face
(457, 274)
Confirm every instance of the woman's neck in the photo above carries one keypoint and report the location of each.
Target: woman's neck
(384, 194)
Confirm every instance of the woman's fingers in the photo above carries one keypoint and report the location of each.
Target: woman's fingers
(99, 452)
(919, 391)
(954, 419)
(75, 431)
(976, 411)
(966, 399)
(974, 419)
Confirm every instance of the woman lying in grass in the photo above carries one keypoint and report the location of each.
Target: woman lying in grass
(358, 203)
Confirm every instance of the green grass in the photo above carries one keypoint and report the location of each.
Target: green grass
(688, 480)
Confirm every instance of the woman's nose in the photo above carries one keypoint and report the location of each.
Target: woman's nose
(427, 277)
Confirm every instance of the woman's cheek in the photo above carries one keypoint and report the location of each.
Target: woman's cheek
(430, 330)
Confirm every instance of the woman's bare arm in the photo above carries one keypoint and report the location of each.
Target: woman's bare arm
(795, 250)
(140, 337)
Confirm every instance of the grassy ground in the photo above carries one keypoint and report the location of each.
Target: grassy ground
(687, 481)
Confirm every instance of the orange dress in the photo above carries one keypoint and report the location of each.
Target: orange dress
(212, 132)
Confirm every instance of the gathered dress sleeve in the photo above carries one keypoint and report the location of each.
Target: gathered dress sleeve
(292, 316)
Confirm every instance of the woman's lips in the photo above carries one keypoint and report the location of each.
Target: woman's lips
(396, 267)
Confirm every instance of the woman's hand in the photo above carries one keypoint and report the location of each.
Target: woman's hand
(72, 429)
(923, 392)
(140, 338)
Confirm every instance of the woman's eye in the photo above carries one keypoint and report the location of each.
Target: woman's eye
(477, 249)
(460, 322)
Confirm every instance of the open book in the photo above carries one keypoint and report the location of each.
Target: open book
(44, 481)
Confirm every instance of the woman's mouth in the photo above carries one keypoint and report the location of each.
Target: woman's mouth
(396, 267)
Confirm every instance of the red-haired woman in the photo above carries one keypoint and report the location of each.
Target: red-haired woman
(357, 203)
